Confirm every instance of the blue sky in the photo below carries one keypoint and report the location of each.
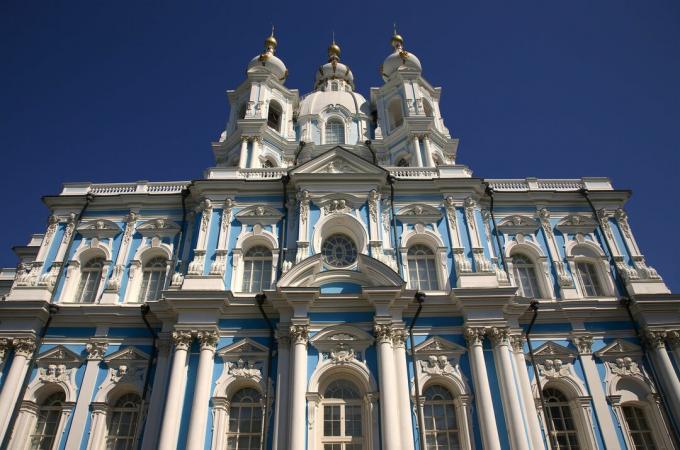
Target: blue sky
(129, 90)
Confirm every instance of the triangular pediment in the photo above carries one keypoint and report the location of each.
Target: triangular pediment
(518, 224)
(99, 228)
(243, 348)
(127, 355)
(619, 348)
(158, 227)
(437, 345)
(59, 355)
(551, 350)
(338, 161)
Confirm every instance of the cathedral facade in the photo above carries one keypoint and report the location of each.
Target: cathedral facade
(338, 282)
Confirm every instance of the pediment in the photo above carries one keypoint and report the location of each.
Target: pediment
(518, 224)
(369, 272)
(577, 223)
(99, 228)
(438, 346)
(59, 355)
(342, 335)
(419, 212)
(619, 348)
(127, 355)
(158, 227)
(242, 349)
(264, 215)
(338, 161)
(551, 350)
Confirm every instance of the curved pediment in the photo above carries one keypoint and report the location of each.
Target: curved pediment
(368, 272)
(577, 223)
(264, 215)
(158, 227)
(99, 228)
(419, 212)
(518, 224)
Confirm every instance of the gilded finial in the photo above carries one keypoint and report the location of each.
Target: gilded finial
(334, 50)
(270, 43)
(397, 41)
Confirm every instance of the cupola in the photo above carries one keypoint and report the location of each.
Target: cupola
(334, 70)
(266, 62)
(400, 60)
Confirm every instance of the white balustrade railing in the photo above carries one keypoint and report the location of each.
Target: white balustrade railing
(413, 172)
(534, 184)
(263, 173)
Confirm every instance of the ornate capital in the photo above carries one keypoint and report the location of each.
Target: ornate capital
(208, 339)
(584, 344)
(655, 338)
(673, 337)
(399, 336)
(299, 334)
(4, 345)
(182, 339)
(24, 346)
(517, 343)
(383, 332)
(474, 335)
(95, 350)
(498, 335)
(544, 213)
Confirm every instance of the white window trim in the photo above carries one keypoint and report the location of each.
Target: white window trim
(149, 249)
(601, 264)
(238, 261)
(424, 236)
(86, 252)
(538, 258)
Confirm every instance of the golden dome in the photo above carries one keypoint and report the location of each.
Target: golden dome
(270, 42)
(334, 49)
(397, 40)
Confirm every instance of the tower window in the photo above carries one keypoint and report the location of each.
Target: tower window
(274, 115)
(342, 416)
(339, 251)
(525, 276)
(153, 280)
(90, 278)
(395, 114)
(257, 269)
(421, 268)
(403, 162)
(335, 132)
(587, 273)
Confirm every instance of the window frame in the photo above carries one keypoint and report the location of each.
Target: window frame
(252, 260)
(253, 406)
(114, 409)
(275, 122)
(446, 402)
(342, 404)
(142, 295)
(528, 265)
(430, 258)
(86, 274)
(335, 124)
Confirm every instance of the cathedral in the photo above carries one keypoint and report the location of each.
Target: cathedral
(337, 281)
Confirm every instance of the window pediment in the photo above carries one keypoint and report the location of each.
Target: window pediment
(552, 351)
(518, 224)
(342, 342)
(158, 227)
(127, 355)
(419, 213)
(618, 349)
(243, 348)
(100, 229)
(339, 161)
(259, 214)
(577, 223)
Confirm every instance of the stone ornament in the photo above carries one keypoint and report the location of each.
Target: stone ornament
(208, 339)
(342, 353)
(383, 333)
(584, 344)
(498, 335)
(655, 339)
(553, 368)
(182, 339)
(245, 369)
(24, 346)
(624, 366)
(95, 350)
(474, 335)
(399, 336)
(437, 365)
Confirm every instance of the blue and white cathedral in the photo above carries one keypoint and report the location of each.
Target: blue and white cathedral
(338, 282)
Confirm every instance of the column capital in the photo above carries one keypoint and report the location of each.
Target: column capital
(498, 335)
(517, 343)
(4, 345)
(474, 335)
(182, 339)
(299, 334)
(95, 350)
(399, 336)
(674, 338)
(24, 346)
(208, 339)
(383, 332)
(655, 338)
(584, 343)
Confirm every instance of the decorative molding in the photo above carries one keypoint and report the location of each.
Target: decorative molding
(474, 335)
(158, 228)
(299, 334)
(208, 339)
(100, 229)
(182, 339)
(518, 224)
(383, 332)
(24, 346)
(95, 350)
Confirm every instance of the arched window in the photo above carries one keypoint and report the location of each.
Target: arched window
(268, 164)
(45, 433)
(342, 417)
(257, 269)
(122, 423)
(525, 276)
(422, 273)
(395, 114)
(403, 162)
(274, 116)
(245, 420)
(153, 279)
(427, 108)
(339, 250)
(242, 110)
(587, 275)
(90, 277)
(335, 132)
(439, 413)
(638, 427)
(563, 424)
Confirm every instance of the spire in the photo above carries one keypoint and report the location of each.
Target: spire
(270, 43)
(333, 51)
(397, 41)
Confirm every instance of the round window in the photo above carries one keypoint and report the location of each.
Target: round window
(339, 251)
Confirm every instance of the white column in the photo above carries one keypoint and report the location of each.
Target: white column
(280, 433)
(535, 435)
(298, 424)
(25, 423)
(405, 422)
(98, 426)
(416, 149)
(428, 152)
(666, 371)
(255, 159)
(243, 158)
(674, 341)
(95, 353)
(158, 390)
(23, 349)
(509, 395)
(485, 412)
(199, 406)
(603, 414)
(389, 404)
(175, 392)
